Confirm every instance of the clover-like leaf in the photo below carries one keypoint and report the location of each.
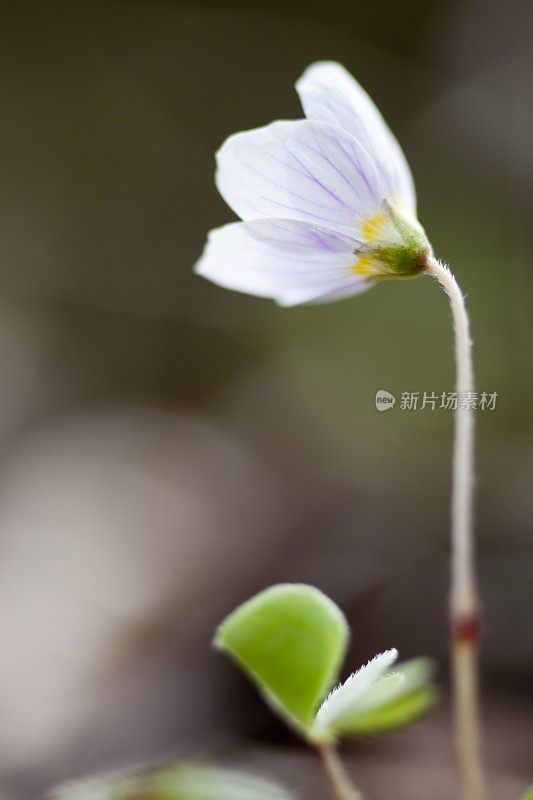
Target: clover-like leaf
(290, 639)
(394, 714)
(528, 795)
(179, 781)
(371, 700)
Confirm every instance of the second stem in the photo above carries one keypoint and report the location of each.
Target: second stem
(336, 772)
(464, 599)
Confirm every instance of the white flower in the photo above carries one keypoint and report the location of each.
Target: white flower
(328, 203)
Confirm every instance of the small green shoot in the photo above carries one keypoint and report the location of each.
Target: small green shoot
(291, 639)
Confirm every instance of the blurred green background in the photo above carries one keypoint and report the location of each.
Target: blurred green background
(169, 448)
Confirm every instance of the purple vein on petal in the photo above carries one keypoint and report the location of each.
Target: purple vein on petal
(309, 176)
(253, 190)
(359, 170)
(314, 178)
(274, 183)
(320, 153)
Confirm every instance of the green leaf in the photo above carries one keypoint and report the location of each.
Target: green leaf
(197, 782)
(528, 795)
(369, 702)
(180, 781)
(290, 639)
(417, 672)
(393, 714)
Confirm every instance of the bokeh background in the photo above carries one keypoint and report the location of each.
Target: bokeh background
(168, 448)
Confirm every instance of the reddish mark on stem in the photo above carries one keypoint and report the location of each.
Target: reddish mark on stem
(466, 629)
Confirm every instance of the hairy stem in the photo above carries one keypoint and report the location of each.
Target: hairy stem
(464, 600)
(342, 786)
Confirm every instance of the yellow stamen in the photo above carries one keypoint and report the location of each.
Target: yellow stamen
(370, 227)
(363, 266)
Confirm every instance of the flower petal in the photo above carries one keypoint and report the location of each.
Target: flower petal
(344, 697)
(289, 261)
(346, 287)
(329, 93)
(309, 171)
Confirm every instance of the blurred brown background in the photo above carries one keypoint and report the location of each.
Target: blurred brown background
(168, 448)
